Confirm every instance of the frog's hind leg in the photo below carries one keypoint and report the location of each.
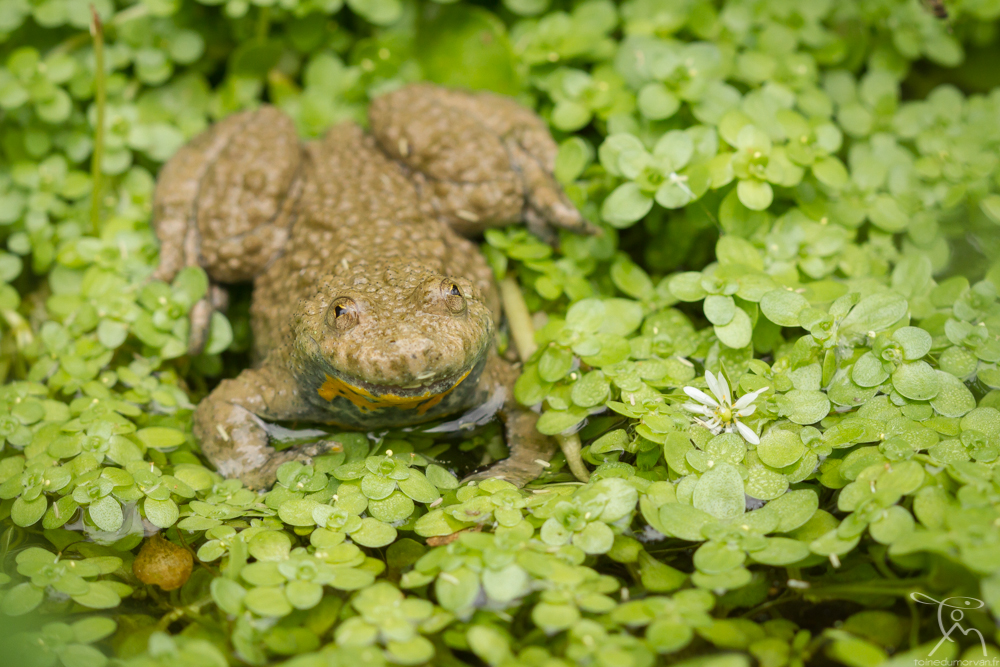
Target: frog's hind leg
(177, 191)
(225, 201)
(480, 160)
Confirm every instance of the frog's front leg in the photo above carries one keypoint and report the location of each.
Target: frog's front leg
(229, 424)
(530, 451)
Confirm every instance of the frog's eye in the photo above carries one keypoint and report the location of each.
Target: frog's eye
(343, 314)
(453, 296)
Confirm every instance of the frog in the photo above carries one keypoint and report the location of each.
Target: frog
(372, 306)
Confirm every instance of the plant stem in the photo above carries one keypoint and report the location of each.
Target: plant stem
(571, 446)
(914, 622)
(19, 327)
(263, 23)
(100, 98)
(70, 44)
(180, 535)
(899, 588)
(523, 333)
(518, 317)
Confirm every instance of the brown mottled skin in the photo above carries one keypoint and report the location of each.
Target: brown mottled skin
(370, 308)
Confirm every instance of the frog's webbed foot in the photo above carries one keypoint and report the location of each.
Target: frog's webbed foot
(546, 205)
(234, 437)
(530, 450)
(479, 160)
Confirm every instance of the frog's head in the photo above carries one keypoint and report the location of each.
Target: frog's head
(401, 337)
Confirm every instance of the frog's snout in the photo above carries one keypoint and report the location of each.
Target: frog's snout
(415, 348)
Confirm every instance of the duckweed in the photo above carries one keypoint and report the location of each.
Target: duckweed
(800, 205)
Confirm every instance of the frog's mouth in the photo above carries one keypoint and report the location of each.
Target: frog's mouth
(369, 397)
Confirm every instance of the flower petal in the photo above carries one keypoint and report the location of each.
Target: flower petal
(746, 412)
(747, 399)
(713, 386)
(699, 409)
(747, 433)
(724, 386)
(701, 397)
(712, 426)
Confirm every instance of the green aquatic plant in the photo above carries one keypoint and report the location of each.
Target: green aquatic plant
(774, 374)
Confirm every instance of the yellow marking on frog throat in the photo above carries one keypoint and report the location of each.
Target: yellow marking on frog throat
(365, 401)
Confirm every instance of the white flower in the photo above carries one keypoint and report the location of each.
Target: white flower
(723, 414)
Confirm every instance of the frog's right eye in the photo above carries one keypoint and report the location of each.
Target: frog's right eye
(343, 314)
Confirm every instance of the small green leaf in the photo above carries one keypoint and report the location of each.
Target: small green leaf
(783, 306)
(161, 513)
(270, 545)
(718, 557)
(990, 205)
(374, 534)
(738, 332)
(228, 595)
(27, 512)
(596, 538)
(953, 398)
(781, 551)
(626, 205)
(268, 601)
(99, 595)
(684, 521)
(158, 437)
(21, 599)
(303, 594)
(916, 380)
(874, 313)
(111, 333)
(106, 513)
(719, 492)
(298, 512)
(779, 448)
(755, 195)
(914, 341)
(868, 371)
(719, 310)
(93, 629)
(573, 157)
(554, 422)
(220, 334)
(830, 171)
(656, 102)
(556, 361)
(804, 406)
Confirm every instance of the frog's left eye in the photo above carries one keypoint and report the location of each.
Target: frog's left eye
(343, 314)
(453, 296)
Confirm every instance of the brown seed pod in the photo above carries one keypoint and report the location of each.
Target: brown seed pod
(163, 563)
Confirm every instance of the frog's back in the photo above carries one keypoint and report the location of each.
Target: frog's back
(358, 214)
